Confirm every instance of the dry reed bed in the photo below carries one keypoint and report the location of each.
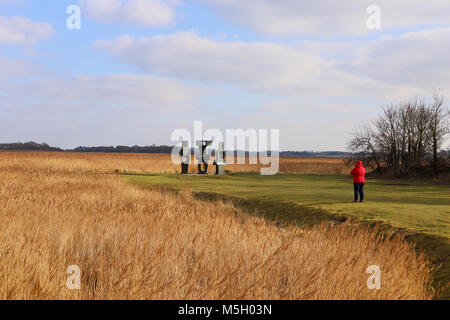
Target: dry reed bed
(135, 243)
(158, 163)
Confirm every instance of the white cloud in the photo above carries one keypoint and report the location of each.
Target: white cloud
(148, 13)
(15, 68)
(329, 17)
(299, 107)
(419, 58)
(257, 66)
(393, 67)
(23, 31)
(122, 91)
(92, 110)
(409, 64)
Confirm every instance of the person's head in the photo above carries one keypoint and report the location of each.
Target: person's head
(359, 164)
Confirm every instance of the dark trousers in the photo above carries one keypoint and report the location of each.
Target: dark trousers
(359, 189)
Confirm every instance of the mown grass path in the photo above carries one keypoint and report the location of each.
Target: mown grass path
(422, 211)
(421, 208)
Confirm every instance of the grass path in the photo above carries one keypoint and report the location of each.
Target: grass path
(419, 208)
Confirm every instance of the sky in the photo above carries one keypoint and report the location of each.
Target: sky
(136, 70)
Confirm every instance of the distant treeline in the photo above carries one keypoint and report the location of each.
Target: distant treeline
(28, 146)
(33, 146)
(126, 149)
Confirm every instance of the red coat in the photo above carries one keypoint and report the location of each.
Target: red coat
(358, 173)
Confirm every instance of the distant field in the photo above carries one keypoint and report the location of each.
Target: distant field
(161, 163)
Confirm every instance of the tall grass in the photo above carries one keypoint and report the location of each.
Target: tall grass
(161, 163)
(133, 243)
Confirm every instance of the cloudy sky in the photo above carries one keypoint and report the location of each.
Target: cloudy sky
(139, 69)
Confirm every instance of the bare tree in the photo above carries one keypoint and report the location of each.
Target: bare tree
(387, 135)
(438, 124)
(363, 144)
(404, 135)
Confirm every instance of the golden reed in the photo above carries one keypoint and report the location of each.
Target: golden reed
(59, 210)
(161, 163)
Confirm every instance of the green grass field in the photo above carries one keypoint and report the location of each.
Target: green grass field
(421, 208)
(421, 211)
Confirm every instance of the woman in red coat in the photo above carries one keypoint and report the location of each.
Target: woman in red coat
(358, 180)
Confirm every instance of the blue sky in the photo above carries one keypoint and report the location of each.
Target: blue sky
(139, 69)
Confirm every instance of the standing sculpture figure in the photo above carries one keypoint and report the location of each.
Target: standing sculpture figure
(202, 156)
(220, 159)
(185, 155)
